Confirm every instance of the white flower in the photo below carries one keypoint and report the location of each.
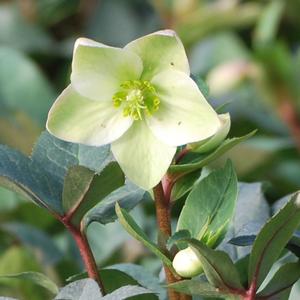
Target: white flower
(139, 98)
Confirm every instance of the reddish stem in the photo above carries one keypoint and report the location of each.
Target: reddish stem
(167, 185)
(162, 195)
(251, 293)
(85, 252)
(289, 115)
(185, 297)
(181, 154)
(162, 206)
(168, 181)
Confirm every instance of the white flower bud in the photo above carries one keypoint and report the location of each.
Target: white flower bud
(187, 263)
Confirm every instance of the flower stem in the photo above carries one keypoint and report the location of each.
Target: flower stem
(85, 253)
(181, 154)
(288, 113)
(162, 205)
(185, 297)
(251, 293)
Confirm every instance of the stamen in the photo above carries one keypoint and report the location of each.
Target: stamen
(136, 98)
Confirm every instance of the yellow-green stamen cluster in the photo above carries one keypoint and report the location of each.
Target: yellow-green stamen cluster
(136, 97)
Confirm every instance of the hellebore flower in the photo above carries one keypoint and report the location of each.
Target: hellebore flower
(140, 99)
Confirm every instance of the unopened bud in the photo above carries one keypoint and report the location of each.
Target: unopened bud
(187, 263)
(214, 141)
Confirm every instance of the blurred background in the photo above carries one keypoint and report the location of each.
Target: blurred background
(248, 53)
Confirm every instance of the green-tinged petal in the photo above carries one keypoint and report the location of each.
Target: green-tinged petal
(143, 158)
(98, 70)
(159, 51)
(77, 119)
(184, 116)
(213, 142)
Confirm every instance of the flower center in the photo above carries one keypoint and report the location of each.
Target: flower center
(136, 97)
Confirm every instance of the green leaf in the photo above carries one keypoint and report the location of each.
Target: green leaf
(128, 196)
(20, 33)
(105, 15)
(58, 156)
(268, 23)
(178, 235)
(210, 206)
(15, 260)
(283, 279)
(80, 290)
(272, 239)
(204, 160)
(294, 244)
(36, 278)
(216, 50)
(9, 200)
(17, 129)
(29, 86)
(83, 189)
(251, 213)
(120, 278)
(20, 174)
(142, 276)
(242, 267)
(197, 287)
(76, 184)
(282, 295)
(247, 240)
(104, 251)
(49, 12)
(206, 21)
(40, 178)
(36, 239)
(126, 274)
(134, 230)
(243, 240)
(184, 184)
(218, 267)
(277, 61)
(126, 292)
